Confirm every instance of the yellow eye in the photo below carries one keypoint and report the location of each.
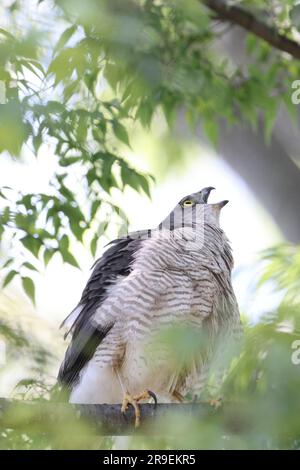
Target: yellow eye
(188, 203)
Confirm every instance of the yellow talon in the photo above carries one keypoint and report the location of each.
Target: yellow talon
(133, 401)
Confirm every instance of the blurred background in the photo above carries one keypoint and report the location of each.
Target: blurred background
(112, 112)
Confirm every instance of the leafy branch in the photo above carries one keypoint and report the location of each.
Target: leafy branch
(251, 23)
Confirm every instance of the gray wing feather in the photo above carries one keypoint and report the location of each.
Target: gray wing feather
(116, 261)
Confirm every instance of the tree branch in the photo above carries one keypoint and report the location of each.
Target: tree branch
(103, 419)
(248, 21)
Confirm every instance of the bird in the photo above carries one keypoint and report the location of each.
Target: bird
(176, 275)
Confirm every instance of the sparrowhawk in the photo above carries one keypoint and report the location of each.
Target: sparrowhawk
(177, 275)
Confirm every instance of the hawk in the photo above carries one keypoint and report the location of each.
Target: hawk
(177, 275)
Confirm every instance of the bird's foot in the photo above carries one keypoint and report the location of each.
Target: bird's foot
(134, 401)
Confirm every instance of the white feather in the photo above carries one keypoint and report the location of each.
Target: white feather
(70, 319)
(97, 385)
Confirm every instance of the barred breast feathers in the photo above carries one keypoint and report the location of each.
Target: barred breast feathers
(185, 249)
(169, 258)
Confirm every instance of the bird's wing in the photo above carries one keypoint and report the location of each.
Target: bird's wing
(115, 261)
(86, 334)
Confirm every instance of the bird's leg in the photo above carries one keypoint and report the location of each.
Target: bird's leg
(134, 401)
(130, 400)
(178, 396)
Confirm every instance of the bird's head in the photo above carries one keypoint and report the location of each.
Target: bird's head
(200, 197)
(185, 212)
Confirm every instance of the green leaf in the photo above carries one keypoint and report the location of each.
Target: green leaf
(9, 277)
(135, 180)
(120, 132)
(76, 230)
(69, 258)
(107, 179)
(37, 141)
(82, 129)
(48, 254)
(37, 64)
(27, 64)
(7, 34)
(145, 185)
(64, 243)
(55, 107)
(32, 244)
(5, 215)
(30, 266)
(62, 65)
(64, 38)
(13, 130)
(145, 113)
(7, 263)
(56, 222)
(29, 288)
(67, 161)
(112, 75)
(94, 208)
(93, 245)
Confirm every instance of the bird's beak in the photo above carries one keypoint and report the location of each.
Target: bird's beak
(206, 192)
(223, 203)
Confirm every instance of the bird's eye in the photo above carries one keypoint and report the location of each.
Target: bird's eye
(188, 203)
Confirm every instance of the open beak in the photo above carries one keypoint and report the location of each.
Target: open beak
(206, 192)
(223, 203)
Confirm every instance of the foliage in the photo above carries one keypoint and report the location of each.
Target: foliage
(29, 344)
(118, 65)
(114, 66)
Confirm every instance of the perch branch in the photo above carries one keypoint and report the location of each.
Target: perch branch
(105, 419)
(248, 21)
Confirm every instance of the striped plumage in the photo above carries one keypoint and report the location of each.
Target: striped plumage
(175, 278)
